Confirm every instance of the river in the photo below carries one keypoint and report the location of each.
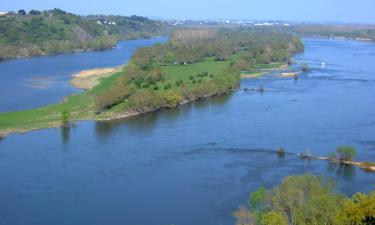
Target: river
(198, 163)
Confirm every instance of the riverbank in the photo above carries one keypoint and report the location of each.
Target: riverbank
(81, 106)
(87, 79)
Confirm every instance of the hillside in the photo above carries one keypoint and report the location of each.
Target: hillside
(56, 31)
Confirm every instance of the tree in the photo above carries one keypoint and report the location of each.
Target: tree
(273, 218)
(359, 210)
(346, 153)
(22, 12)
(35, 12)
(65, 118)
(244, 216)
(305, 199)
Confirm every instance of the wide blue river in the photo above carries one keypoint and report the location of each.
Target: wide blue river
(195, 164)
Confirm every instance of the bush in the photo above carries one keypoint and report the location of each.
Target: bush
(171, 98)
(156, 88)
(331, 156)
(281, 152)
(145, 85)
(346, 153)
(65, 118)
(191, 78)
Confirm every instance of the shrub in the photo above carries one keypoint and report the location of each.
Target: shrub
(65, 118)
(171, 98)
(156, 88)
(167, 86)
(145, 85)
(281, 152)
(191, 77)
(346, 153)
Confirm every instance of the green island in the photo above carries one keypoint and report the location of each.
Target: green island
(194, 64)
(56, 31)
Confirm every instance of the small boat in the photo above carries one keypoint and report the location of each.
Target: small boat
(323, 65)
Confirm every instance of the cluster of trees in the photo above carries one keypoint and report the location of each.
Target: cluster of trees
(305, 200)
(144, 79)
(56, 31)
(326, 30)
(343, 153)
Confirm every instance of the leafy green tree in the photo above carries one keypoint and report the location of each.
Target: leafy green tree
(22, 12)
(65, 118)
(273, 218)
(346, 153)
(359, 210)
(35, 12)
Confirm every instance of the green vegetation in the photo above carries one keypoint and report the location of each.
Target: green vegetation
(343, 153)
(164, 76)
(360, 32)
(195, 64)
(65, 118)
(56, 31)
(306, 200)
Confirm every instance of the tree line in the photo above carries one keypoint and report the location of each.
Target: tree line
(56, 31)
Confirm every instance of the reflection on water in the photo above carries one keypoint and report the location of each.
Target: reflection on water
(144, 124)
(345, 171)
(65, 134)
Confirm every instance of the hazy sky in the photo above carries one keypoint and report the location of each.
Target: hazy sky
(297, 10)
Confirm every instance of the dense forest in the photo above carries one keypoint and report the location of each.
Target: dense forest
(193, 64)
(308, 200)
(56, 31)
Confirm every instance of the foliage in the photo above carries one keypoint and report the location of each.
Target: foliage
(65, 118)
(306, 200)
(56, 31)
(346, 153)
(273, 218)
(359, 210)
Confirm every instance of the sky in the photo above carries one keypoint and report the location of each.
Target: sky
(355, 11)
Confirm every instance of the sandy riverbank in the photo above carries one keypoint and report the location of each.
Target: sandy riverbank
(88, 79)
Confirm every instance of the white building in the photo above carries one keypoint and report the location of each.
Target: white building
(3, 13)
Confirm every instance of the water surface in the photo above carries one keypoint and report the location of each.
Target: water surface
(198, 163)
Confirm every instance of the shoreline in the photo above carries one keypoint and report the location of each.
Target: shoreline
(88, 79)
(113, 117)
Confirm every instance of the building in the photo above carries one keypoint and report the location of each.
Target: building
(3, 13)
